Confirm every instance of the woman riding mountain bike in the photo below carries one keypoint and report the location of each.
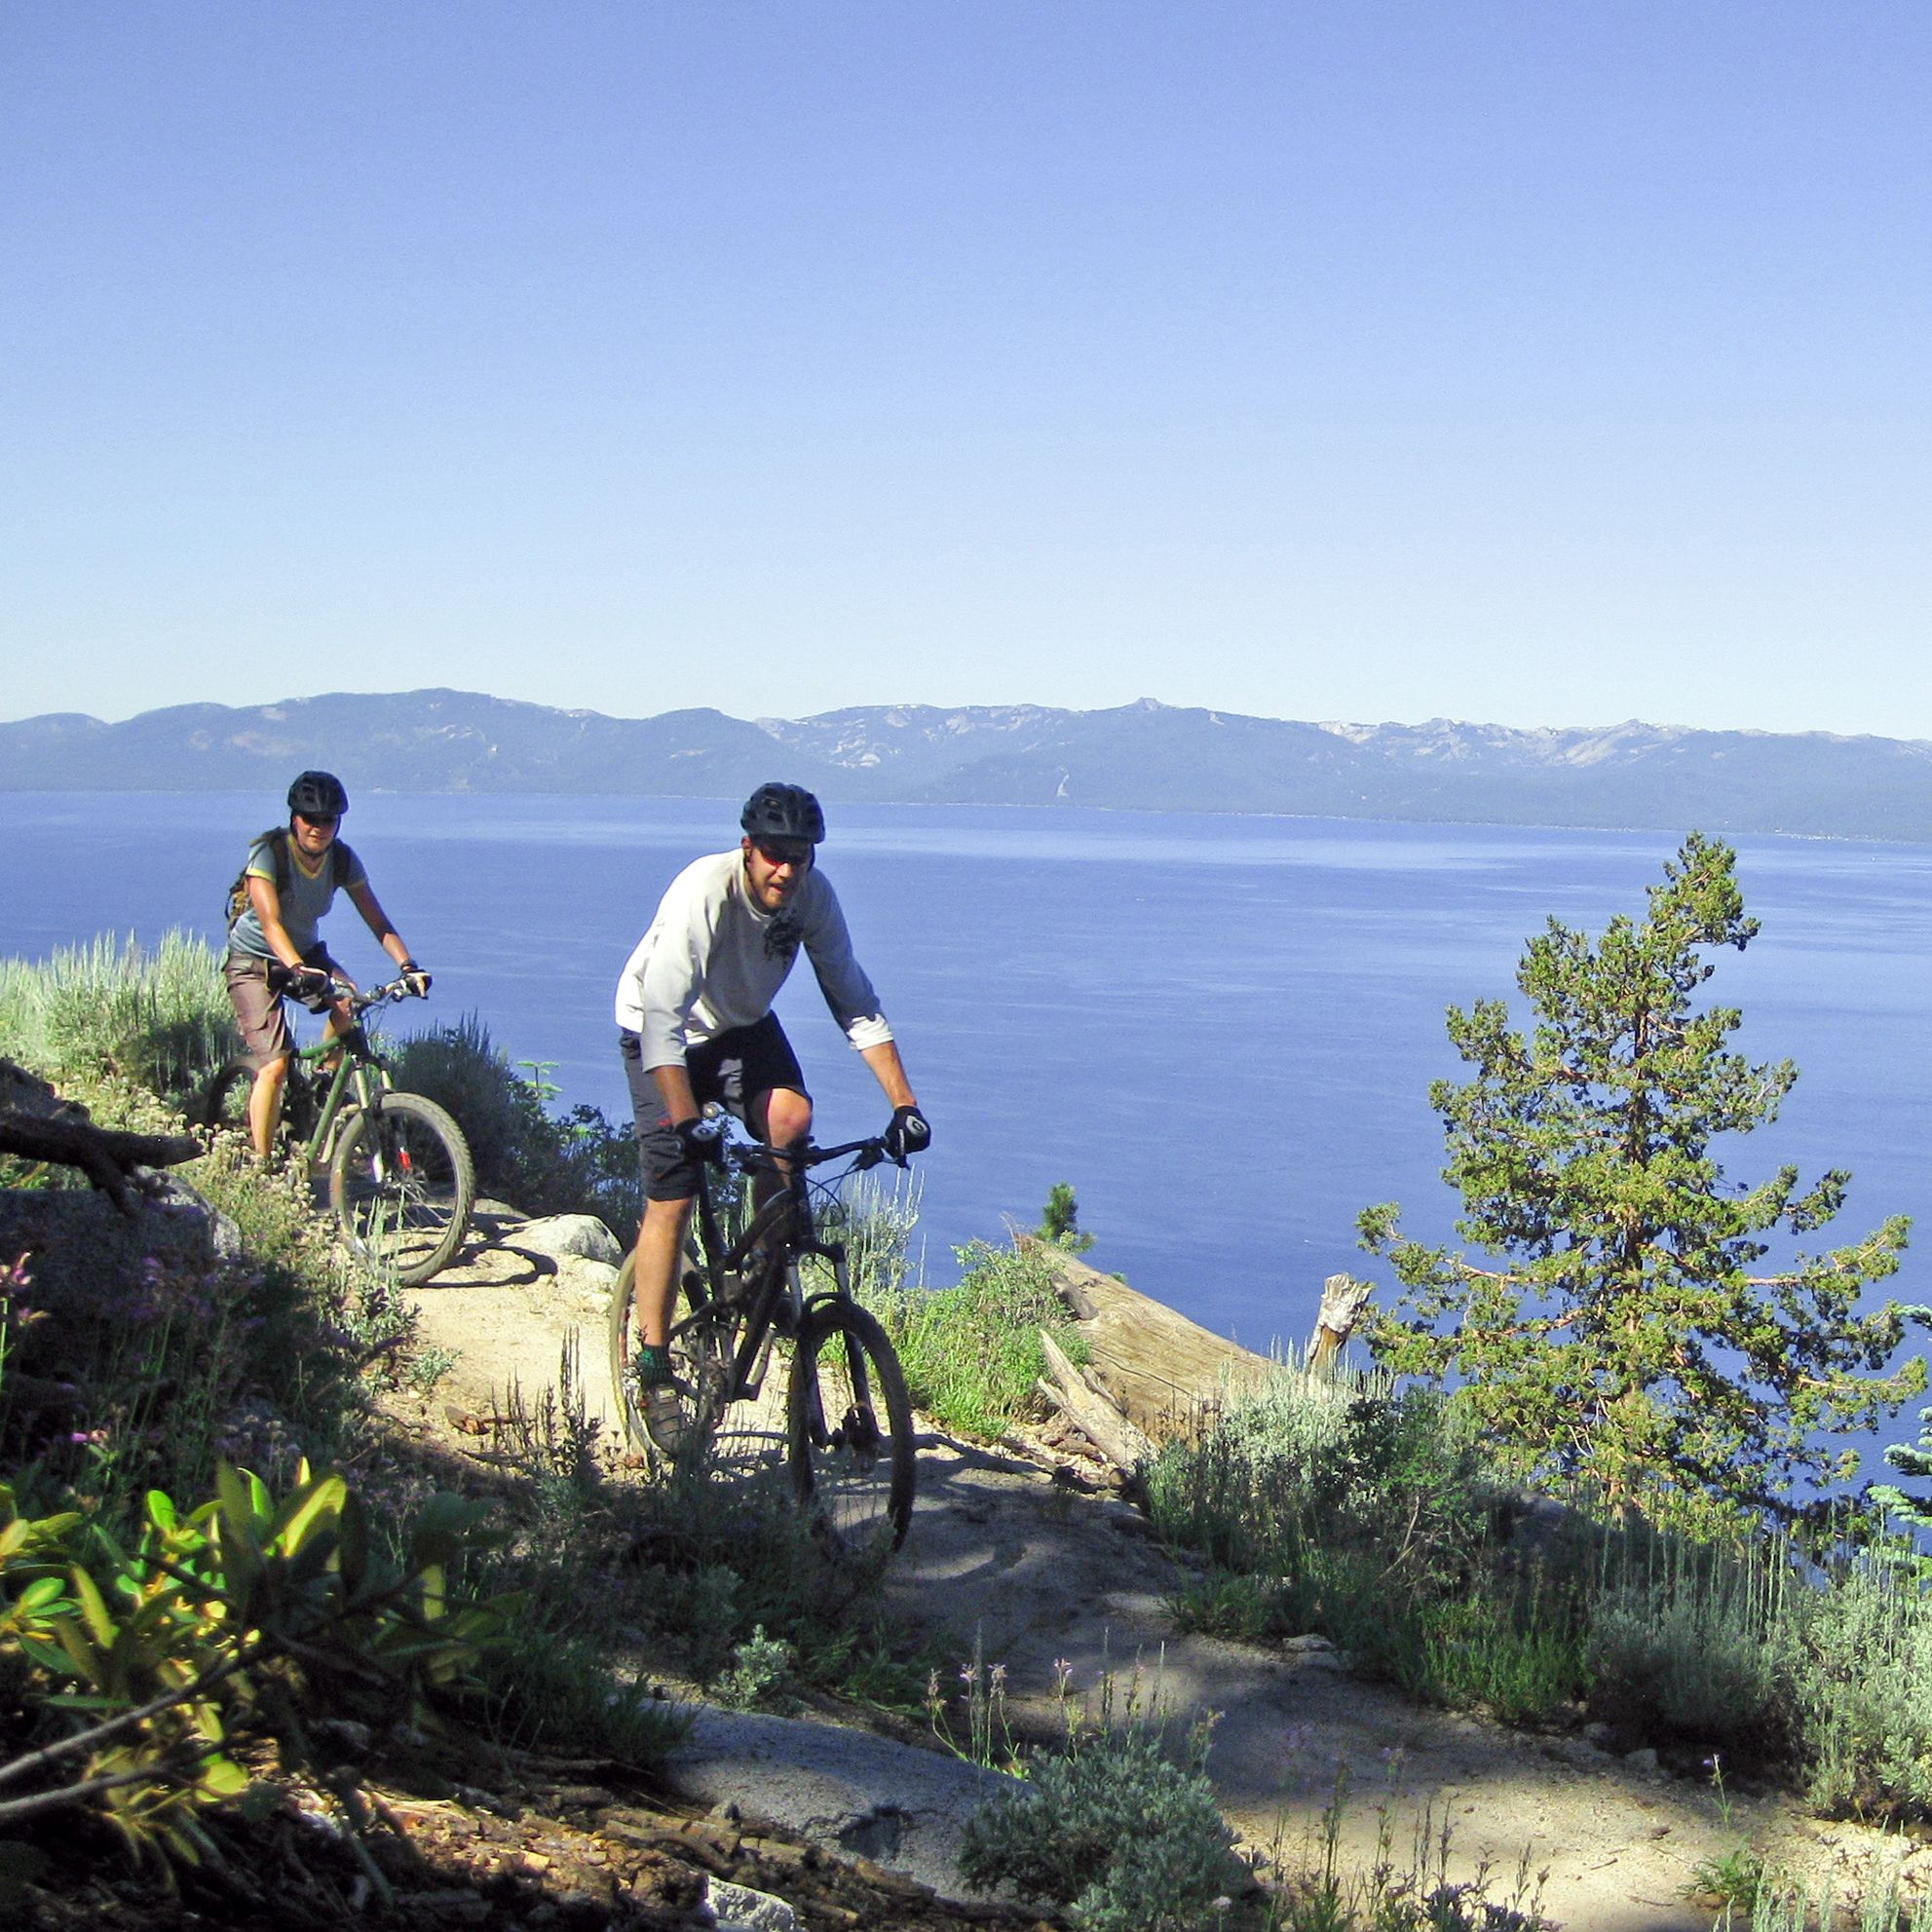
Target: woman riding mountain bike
(275, 910)
(400, 1177)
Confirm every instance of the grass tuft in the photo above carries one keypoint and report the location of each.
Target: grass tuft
(971, 1352)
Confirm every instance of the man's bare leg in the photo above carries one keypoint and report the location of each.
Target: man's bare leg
(660, 1243)
(781, 1118)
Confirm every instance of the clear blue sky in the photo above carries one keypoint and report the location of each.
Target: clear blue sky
(1548, 364)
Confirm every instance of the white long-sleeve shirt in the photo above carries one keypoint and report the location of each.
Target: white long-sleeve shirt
(712, 961)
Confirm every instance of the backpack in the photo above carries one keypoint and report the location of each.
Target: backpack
(341, 863)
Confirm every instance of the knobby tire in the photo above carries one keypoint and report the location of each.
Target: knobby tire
(850, 1428)
(402, 1185)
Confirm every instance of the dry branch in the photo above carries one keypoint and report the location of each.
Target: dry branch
(35, 1125)
(1095, 1413)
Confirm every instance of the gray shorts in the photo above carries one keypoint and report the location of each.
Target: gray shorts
(259, 1014)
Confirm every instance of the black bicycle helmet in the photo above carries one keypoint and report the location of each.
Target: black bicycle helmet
(782, 812)
(317, 795)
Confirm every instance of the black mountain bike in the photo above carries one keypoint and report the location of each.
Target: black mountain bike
(400, 1178)
(779, 1369)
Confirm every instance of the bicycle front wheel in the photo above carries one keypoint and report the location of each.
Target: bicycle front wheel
(849, 1430)
(402, 1185)
(700, 1365)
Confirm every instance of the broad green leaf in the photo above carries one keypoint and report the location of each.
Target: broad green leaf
(86, 1594)
(321, 1501)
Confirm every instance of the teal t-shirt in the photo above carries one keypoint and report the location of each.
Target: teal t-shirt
(305, 898)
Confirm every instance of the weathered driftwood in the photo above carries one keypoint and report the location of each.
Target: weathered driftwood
(1343, 1300)
(36, 1124)
(1167, 1374)
(1088, 1405)
(104, 1156)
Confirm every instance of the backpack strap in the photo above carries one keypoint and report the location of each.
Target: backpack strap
(275, 839)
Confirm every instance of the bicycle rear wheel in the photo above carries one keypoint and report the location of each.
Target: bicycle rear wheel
(722, 1436)
(402, 1185)
(224, 1101)
(849, 1425)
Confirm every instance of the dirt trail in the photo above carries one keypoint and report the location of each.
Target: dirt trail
(1047, 1580)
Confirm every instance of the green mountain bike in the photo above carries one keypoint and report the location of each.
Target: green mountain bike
(781, 1372)
(400, 1178)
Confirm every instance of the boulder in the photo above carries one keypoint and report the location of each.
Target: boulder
(85, 1250)
(856, 1794)
(738, 1909)
(559, 1234)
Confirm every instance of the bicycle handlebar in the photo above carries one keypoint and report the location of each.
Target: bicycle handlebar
(279, 978)
(871, 1152)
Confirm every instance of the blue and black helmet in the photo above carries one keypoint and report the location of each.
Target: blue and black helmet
(317, 795)
(782, 812)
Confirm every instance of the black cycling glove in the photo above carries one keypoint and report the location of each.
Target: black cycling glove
(415, 978)
(701, 1140)
(909, 1134)
(313, 987)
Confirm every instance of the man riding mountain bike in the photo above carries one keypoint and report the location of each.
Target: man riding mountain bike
(289, 882)
(695, 1020)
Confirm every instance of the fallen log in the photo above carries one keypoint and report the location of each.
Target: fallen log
(1169, 1376)
(104, 1154)
(37, 1124)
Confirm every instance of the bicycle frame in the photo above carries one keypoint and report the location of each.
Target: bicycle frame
(787, 1217)
(358, 1065)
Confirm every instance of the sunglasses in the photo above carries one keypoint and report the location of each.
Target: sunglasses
(775, 852)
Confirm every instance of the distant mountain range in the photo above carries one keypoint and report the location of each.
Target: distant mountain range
(1147, 756)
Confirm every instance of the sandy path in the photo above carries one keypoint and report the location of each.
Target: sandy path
(1039, 1574)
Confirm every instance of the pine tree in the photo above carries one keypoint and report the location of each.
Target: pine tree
(1620, 1330)
(1060, 1221)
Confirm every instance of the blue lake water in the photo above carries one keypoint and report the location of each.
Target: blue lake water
(1220, 1030)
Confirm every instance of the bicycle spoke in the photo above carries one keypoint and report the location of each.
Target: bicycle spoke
(402, 1185)
(850, 1422)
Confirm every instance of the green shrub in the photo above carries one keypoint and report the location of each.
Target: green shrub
(159, 1018)
(1864, 1692)
(179, 1361)
(148, 1668)
(1705, 1650)
(542, 1164)
(971, 1352)
(1314, 1464)
(1335, 1505)
(1060, 1220)
(758, 1666)
(1125, 1839)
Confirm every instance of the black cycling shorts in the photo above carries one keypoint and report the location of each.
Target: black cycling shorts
(736, 1067)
